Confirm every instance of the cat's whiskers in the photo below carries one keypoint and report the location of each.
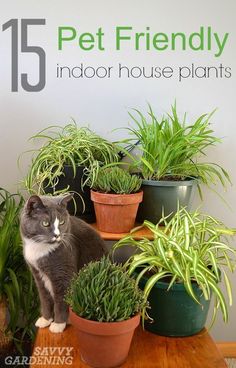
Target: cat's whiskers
(66, 242)
(69, 235)
(39, 239)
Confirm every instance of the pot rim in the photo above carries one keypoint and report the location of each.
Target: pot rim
(114, 195)
(175, 287)
(116, 199)
(170, 183)
(69, 165)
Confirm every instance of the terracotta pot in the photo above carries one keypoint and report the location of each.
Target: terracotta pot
(5, 338)
(104, 344)
(116, 213)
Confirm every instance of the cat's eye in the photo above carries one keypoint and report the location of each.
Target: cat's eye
(45, 223)
(62, 222)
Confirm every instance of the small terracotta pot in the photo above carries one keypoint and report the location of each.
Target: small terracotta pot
(104, 344)
(116, 213)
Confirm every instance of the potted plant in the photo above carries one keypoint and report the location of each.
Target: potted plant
(105, 307)
(168, 160)
(58, 166)
(18, 296)
(116, 195)
(181, 269)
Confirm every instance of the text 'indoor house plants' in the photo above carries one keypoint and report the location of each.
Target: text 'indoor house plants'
(105, 306)
(18, 297)
(168, 160)
(181, 269)
(116, 195)
(58, 166)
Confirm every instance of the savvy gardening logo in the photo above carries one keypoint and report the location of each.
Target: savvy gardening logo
(43, 356)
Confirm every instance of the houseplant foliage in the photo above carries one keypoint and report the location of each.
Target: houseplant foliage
(116, 195)
(103, 291)
(105, 307)
(115, 180)
(171, 147)
(58, 165)
(170, 158)
(68, 145)
(17, 291)
(193, 250)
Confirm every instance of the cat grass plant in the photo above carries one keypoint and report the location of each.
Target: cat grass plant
(116, 195)
(114, 180)
(193, 250)
(105, 309)
(69, 145)
(103, 291)
(17, 291)
(171, 160)
(171, 147)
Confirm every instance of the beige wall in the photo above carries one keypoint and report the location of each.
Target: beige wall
(104, 103)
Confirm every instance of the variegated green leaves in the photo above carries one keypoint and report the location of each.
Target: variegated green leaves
(190, 248)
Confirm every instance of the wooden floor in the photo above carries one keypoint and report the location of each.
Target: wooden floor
(228, 349)
(147, 350)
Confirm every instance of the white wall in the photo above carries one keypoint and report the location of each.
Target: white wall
(104, 103)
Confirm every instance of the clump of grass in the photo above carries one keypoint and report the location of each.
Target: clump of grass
(103, 291)
(17, 289)
(171, 148)
(114, 180)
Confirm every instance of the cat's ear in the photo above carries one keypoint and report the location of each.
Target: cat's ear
(33, 203)
(65, 199)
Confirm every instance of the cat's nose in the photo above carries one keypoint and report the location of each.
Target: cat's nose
(57, 237)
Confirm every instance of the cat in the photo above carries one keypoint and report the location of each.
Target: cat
(55, 246)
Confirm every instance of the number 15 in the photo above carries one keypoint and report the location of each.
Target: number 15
(13, 24)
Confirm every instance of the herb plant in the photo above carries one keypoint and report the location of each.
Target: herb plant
(17, 289)
(114, 180)
(170, 148)
(104, 292)
(68, 145)
(190, 248)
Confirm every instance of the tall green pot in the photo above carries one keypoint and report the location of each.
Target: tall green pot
(165, 195)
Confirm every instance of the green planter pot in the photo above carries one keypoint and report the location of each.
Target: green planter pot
(84, 211)
(174, 312)
(165, 195)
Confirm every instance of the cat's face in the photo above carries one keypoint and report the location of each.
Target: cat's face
(46, 219)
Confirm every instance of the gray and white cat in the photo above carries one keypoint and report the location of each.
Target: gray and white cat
(56, 245)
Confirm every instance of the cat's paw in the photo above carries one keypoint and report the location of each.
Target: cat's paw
(43, 322)
(57, 327)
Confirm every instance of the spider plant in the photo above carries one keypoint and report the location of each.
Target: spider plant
(69, 145)
(191, 248)
(16, 285)
(171, 147)
(114, 180)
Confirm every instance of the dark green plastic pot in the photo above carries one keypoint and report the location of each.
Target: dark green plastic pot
(85, 210)
(165, 195)
(174, 312)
